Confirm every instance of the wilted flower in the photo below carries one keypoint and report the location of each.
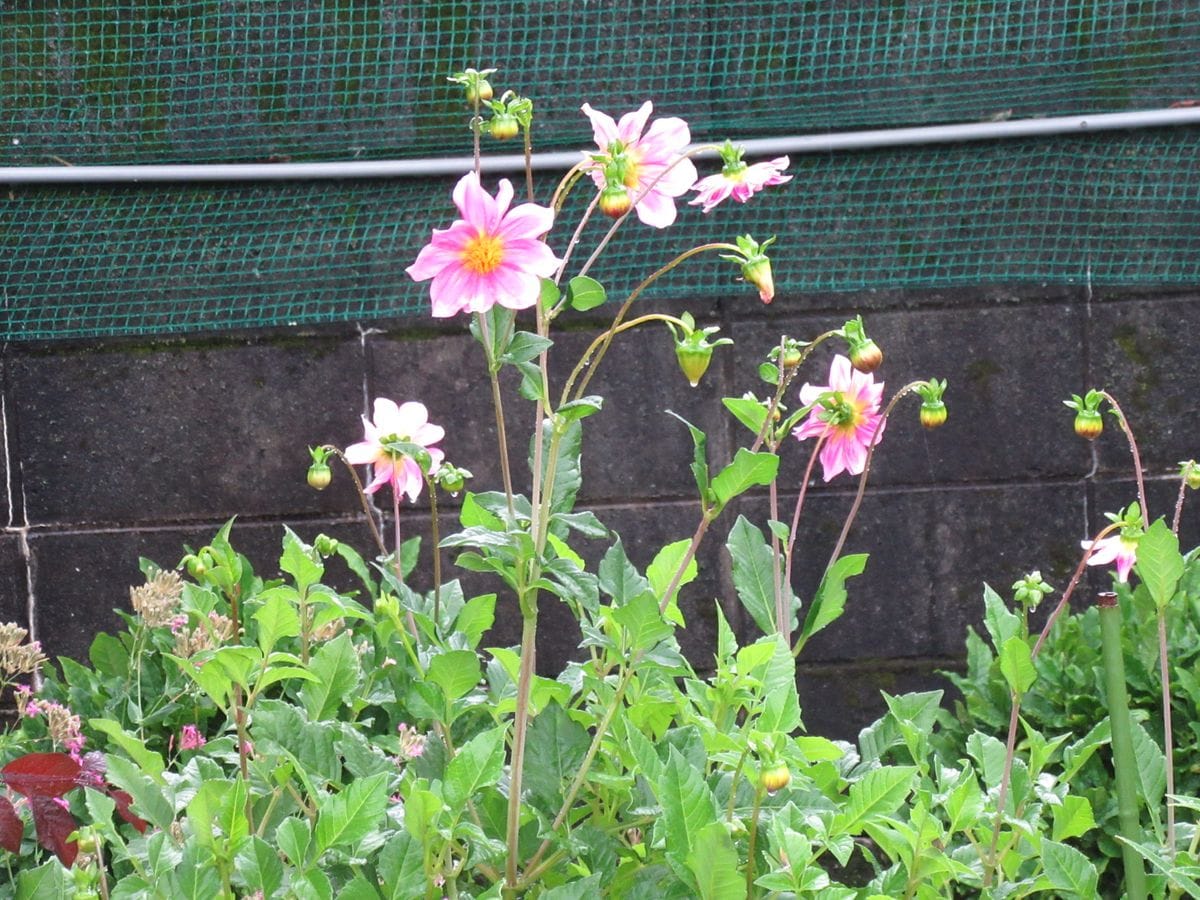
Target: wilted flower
(17, 658)
(412, 743)
(211, 632)
(1119, 548)
(156, 601)
(407, 424)
(190, 738)
(491, 255)
(846, 414)
(738, 180)
(650, 166)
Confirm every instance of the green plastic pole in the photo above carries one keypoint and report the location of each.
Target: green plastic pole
(1124, 763)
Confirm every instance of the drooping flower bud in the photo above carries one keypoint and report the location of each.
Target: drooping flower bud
(475, 84)
(614, 201)
(451, 478)
(1189, 471)
(775, 778)
(933, 410)
(864, 353)
(751, 256)
(1089, 423)
(319, 473)
(503, 126)
(693, 349)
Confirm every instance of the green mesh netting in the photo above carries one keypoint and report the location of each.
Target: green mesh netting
(242, 80)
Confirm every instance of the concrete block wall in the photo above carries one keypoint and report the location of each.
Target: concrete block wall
(118, 450)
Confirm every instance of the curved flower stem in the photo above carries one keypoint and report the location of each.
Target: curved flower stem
(695, 151)
(566, 184)
(498, 405)
(1179, 506)
(573, 243)
(1133, 450)
(788, 556)
(362, 496)
(1071, 585)
(529, 164)
(607, 336)
(653, 277)
(476, 123)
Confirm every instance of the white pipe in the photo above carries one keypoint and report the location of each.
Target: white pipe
(401, 168)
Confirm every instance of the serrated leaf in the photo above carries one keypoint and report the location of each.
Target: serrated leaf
(474, 515)
(1073, 818)
(148, 799)
(643, 624)
(1016, 664)
(1001, 623)
(746, 471)
(401, 866)
(714, 863)
(829, 601)
(1069, 870)
(753, 575)
(455, 672)
(1152, 767)
(662, 570)
(1159, 562)
(1181, 876)
(478, 764)
(277, 618)
(699, 464)
(556, 747)
(299, 561)
(347, 817)
(879, 793)
(150, 762)
(619, 579)
(585, 293)
(337, 668)
(780, 704)
(688, 804)
(258, 865)
(581, 408)
(475, 618)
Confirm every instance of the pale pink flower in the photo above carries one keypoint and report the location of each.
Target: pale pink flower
(850, 405)
(491, 255)
(407, 423)
(1116, 548)
(412, 743)
(190, 738)
(651, 165)
(739, 181)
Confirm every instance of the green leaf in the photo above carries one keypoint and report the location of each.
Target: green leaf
(475, 618)
(455, 672)
(219, 808)
(1001, 623)
(259, 867)
(687, 803)
(619, 579)
(148, 761)
(473, 515)
(1016, 664)
(749, 412)
(148, 800)
(753, 575)
(567, 473)
(746, 471)
(781, 704)
(525, 346)
(699, 464)
(1073, 818)
(663, 568)
(1175, 873)
(294, 836)
(277, 618)
(584, 889)
(877, 795)
(585, 293)
(108, 656)
(829, 602)
(300, 561)
(714, 862)
(337, 667)
(1152, 768)
(401, 866)
(478, 764)
(347, 817)
(643, 623)
(47, 882)
(580, 409)
(1069, 870)
(556, 747)
(549, 293)
(1159, 562)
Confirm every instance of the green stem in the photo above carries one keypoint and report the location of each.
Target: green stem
(1010, 749)
(605, 338)
(1124, 761)
(753, 839)
(1168, 731)
(1179, 506)
(529, 163)
(362, 497)
(498, 406)
(520, 727)
(436, 539)
(705, 520)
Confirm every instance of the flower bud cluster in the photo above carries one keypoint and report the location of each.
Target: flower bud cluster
(208, 635)
(17, 657)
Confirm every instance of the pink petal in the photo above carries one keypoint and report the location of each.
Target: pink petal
(388, 418)
(532, 256)
(629, 129)
(526, 222)
(666, 136)
(604, 129)
(504, 196)
(362, 453)
(833, 460)
(516, 289)
(656, 210)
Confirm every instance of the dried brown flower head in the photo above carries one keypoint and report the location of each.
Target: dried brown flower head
(157, 600)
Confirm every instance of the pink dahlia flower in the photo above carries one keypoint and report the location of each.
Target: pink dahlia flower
(407, 423)
(846, 414)
(650, 165)
(491, 255)
(1117, 548)
(190, 738)
(739, 181)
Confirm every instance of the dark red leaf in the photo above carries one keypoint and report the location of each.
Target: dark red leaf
(54, 825)
(123, 800)
(11, 827)
(42, 774)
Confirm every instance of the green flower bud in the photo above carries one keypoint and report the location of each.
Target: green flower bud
(775, 778)
(614, 201)
(319, 476)
(933, 415)
(1089, 423)
(504, 126)
(1189, 471)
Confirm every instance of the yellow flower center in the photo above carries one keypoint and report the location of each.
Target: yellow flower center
(483, 254)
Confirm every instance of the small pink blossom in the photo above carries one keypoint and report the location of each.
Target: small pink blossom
(739, 181)
(190, 738)
(650, 165)
(407, 423)
(491, 255)
(412, 743)
(1116, 548)
(846, 415)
